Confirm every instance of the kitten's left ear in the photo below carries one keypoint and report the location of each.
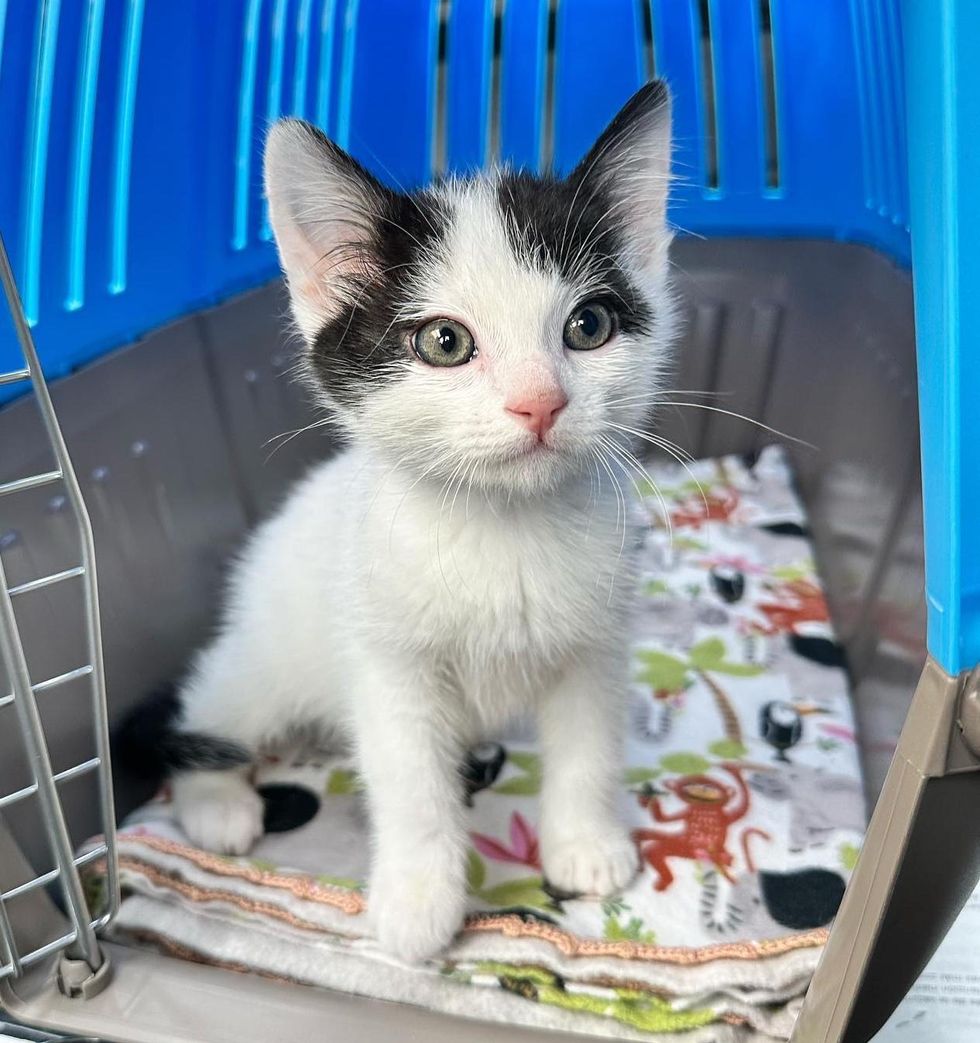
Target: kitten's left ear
(324, 208)
(630, 164)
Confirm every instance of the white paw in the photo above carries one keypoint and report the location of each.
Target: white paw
(219, 811)
(596, 864)
(416, 906)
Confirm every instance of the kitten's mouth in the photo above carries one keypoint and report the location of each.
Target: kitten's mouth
(534, 448)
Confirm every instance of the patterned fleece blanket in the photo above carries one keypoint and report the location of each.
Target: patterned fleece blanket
(741, 781)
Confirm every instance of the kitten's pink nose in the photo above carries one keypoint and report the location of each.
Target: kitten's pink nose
(538, 413)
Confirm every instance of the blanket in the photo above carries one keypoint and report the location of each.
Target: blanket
(741, 783)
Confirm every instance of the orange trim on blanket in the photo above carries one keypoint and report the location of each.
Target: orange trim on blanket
(350, 902)
(570, 945)
(510, 926)
(194, 893)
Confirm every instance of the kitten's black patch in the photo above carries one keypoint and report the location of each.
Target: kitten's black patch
(481, 768)
(575, 221)
(287, 807)
(819, 650)
(804, 900)
(367, 339)
(785, 529)
(545, 219)
(750, 459)
(147, 746)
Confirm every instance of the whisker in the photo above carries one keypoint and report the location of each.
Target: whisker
(658, 396)
(672, 450)
(635, 463)
(288, 436)
(747, 419)
(621, 496)
(620, 505)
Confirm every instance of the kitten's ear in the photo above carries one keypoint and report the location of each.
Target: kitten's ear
(324, 208)
(630, 163)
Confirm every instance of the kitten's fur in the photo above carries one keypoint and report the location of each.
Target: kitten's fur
(448, 571)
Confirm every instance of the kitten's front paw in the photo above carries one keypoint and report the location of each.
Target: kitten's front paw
(416, 906)
(598, 864)
(219, 811)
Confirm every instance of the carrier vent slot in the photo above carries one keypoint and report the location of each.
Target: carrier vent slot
(123, 158)
(88, 78)
(277, 61)
(301, 70)
(38, 132)
(243, 134)
(770, 122)
(324, 85)
(649, 52)
(708, 100)
(547, 156)
(274, 91)
(440, 122)
(496, 82)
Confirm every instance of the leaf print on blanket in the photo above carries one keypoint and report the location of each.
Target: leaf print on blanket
(523, 850)
(525, 892)
(669, 674)
(525, 784)
(342, 782)
(631, 931)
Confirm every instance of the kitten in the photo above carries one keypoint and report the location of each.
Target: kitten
(483, 344)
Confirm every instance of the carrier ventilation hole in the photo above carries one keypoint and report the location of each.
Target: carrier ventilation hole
(82, 151)
(438, 159)
(547, 156)
(708, 99)
(767, 61)
(496, 83)
(125, 122)
(649, 54)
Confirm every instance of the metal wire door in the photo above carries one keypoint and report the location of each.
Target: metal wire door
(83, 968)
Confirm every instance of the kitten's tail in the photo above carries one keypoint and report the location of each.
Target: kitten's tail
(147, 744)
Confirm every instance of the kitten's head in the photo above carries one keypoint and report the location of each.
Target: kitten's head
(501, 330)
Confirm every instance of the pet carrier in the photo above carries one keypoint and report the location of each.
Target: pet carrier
(131, 206)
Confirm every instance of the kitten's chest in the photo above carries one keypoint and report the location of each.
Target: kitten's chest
(500, 588)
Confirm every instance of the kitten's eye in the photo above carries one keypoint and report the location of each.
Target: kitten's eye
(589, 326)
(444, 342)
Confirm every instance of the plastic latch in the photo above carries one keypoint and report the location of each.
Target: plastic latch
(968, 717)
(77, 980)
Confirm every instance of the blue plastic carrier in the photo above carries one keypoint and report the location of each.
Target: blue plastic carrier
(131, 135)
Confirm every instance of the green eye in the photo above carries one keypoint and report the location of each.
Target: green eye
(444, 342)
(589, 326)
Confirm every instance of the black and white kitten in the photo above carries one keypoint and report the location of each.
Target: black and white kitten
(486, 345)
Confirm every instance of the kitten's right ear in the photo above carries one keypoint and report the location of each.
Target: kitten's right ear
(324, 208)
(630, 162)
